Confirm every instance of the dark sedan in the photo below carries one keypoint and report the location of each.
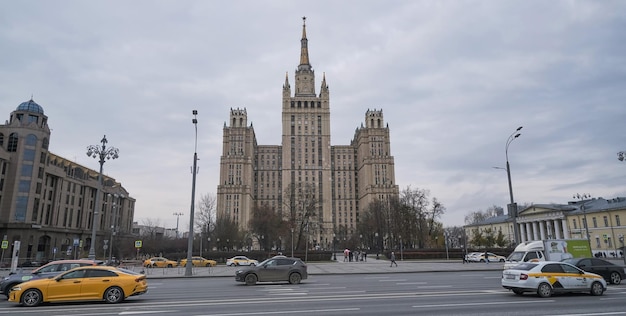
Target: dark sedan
(608, 270)
(275, 269)
(50, 269)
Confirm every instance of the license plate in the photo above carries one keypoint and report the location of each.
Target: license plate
(509, 276)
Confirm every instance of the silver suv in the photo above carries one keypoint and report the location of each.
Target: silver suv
(275, 269)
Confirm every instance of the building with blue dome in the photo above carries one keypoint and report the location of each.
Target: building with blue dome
(47, 201)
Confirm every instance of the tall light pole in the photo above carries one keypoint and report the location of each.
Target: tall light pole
(114, 213)
(512, 207)
(582, 199)
(104, 154)
(193, 197)
(178, 215)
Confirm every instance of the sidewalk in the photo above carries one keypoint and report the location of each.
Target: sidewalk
(335, 267)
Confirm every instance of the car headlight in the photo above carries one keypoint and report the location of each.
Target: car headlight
(16, 288)
(239, 271)
(5, 278)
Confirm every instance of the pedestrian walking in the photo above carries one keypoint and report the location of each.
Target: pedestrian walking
(393, 259)
(486, 257)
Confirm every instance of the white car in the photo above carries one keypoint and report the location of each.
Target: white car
(471, 257)
(548, 277)
(241, 261)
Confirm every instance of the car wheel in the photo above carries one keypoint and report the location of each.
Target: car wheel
(501, 260)
(208, 265)
(544, 290)
(518, 291)
(482, 260)
(615, 278)
(31, 297)
(169, 265)
(251, 279)
(295, 278)
(596, 289)
(252, 264)
(113, 295)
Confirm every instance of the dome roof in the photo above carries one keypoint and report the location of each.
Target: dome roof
(30, 106)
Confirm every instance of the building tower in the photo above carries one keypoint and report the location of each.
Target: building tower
(319, 188)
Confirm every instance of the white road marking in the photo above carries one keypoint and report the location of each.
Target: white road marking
(483, 303)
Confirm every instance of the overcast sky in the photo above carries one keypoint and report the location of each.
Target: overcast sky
(454, 79)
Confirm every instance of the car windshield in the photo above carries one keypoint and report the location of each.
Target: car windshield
(515, 256)
(570, 261)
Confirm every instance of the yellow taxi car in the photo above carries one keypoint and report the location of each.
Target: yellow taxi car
(88, 283)
(548, 277)
(199, 262)
(241, 261)
(492, 257)
(159, 262)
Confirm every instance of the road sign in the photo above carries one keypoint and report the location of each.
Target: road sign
(138, 244)
(5, 244)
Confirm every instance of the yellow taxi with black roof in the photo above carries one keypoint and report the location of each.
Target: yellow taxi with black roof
(549, 277)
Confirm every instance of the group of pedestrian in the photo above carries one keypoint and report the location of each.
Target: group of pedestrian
(359, 255)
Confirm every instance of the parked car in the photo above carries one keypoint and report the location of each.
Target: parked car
(492, 257)
(159, 262)
(548, 277)
(48, 270)
(471, 257)
(275, 269)
(241, 261)
(608, 270)
(88, 283)
(199, 262)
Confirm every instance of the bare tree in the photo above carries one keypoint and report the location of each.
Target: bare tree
(267, 226)
(205, 217)
(302, 203)
(151, 227)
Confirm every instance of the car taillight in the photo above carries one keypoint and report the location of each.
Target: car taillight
(523, 276)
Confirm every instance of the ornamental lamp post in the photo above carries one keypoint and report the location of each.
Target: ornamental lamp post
(188, 267)
(103, 154)
(582, 199)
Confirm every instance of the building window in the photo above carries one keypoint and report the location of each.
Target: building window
(12, 146)
(595, 222)
(606, 221)
(20, 208)
(617, 222)
(31, 140)
(598, 245)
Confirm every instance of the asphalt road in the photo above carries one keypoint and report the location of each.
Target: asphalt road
(426, 293)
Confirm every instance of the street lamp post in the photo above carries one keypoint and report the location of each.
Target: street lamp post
(582, 199)
(512, 208)
(178, 215)
(104, 154)
(188, 267)
(113, 224)
(445, 239)
(334, 252)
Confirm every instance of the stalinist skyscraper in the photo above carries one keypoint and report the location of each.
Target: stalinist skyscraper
(307, 179)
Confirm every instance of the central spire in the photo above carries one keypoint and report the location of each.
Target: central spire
(304, 49)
